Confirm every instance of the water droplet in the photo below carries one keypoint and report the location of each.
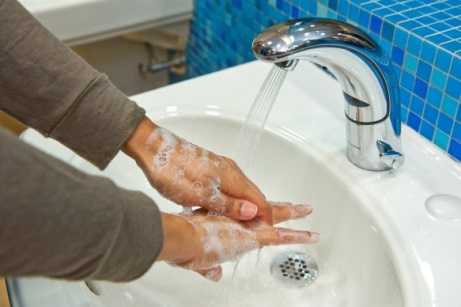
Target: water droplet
(444, 207)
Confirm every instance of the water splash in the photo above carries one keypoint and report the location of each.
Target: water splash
(253, 127)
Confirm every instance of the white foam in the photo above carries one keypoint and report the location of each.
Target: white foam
(187, 211)
(180, 174)
(240, 240)
(215, 189)
(153, 137)
(189, 151)
(168, 145)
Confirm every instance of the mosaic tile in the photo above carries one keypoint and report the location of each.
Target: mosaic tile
(422, 39)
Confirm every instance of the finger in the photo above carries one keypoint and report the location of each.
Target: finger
(283, 211)
(236, 184)
(213, 274)
(237, 209)
(253, 194)
(282, 236)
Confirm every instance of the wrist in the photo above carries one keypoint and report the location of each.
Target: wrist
(181, 239)
(136, 145)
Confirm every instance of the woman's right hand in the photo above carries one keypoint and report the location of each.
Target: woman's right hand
(192, 176)
(201, 242)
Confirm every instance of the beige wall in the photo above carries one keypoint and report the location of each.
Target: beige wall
(119, 58)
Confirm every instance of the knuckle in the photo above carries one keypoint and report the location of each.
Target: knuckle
(231, 206)
(230, 162)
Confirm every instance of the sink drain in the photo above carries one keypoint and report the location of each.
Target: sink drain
(295, 269)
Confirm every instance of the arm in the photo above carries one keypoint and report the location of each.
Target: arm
(58, 222)
(47, 86)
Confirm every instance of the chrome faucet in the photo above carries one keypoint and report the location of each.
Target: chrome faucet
(372, 106)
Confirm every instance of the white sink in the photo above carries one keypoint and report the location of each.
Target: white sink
(379, 246)
(352, 252)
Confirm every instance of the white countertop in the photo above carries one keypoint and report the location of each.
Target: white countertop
(77, 20)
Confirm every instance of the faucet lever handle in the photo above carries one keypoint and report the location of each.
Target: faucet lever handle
(389, 156)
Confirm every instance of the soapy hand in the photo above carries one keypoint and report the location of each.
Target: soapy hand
(192, 176)
(212, 240)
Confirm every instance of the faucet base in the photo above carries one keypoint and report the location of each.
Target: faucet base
(356, 158)
(387, 159)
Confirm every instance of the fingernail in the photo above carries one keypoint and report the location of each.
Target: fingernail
(303, 209)
(214, 274)
(299, 237)
(315, 237)
(248, 210)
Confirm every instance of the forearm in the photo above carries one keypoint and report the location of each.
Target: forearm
(58, 222)
(47, 86)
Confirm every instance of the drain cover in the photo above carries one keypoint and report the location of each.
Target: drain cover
(295, 269)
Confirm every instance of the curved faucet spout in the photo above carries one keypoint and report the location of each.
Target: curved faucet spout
(347, 54)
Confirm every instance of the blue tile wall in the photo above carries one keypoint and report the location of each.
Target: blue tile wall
(421, 37)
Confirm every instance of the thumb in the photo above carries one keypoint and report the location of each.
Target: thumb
(239, 209)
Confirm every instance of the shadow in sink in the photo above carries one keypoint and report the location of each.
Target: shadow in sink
(354, 259)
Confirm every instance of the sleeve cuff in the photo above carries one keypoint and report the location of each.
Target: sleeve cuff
(99, 122)
(138, 243)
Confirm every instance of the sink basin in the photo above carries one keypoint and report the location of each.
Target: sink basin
(352, 252)
(379, 245)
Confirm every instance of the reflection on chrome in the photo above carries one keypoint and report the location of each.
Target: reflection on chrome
(372, 106)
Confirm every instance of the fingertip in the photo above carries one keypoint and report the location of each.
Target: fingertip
(288, 236)
(213, 274)
(314, 238)
(303, 210)
(248, 210)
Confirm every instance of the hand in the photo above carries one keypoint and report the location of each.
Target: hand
(192, 176)
(202, 242)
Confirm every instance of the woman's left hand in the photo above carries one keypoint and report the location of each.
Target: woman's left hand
(212, 240)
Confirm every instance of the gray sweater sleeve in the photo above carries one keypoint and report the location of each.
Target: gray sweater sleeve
(58, 222)
(54, 220)
(47, 86)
